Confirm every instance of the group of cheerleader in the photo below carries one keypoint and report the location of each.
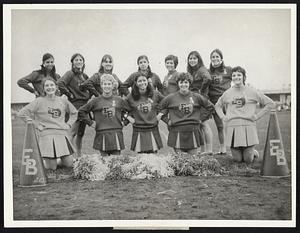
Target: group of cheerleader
(185, 101)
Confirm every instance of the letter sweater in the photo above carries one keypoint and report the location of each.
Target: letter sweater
(170, 83)
(241, 104)
(94, 87)
(221, 81)
(107, 112)
(49, 113)
(144, 110)
(36, 78)
(71, 83)
(201, 81)
(184, 109)
(156, 83)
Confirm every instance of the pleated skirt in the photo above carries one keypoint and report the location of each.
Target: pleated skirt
(144, 140)
(55, 144)
(109, 140)
(241, 136)
(185, 137)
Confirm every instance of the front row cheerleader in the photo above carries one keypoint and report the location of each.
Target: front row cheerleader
(108, 112)
(240, 102)
(48, 114)
(143, 108)
(182, 114)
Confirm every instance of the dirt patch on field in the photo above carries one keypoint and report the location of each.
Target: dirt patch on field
(240, 195)
(168, 198)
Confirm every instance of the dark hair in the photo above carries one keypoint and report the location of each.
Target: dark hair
(148, 73)
(222, 66)
(241, 70)
(43, 70)
(46, 56)
(44, 81)
(74, 69)
(191, 69)
(173, 58)
(101, 69)
(184, 76)
(136, 95)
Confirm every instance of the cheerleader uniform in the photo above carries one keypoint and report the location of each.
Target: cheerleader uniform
(70, 85)
(221, 81)
(108, 116)
(240, 104)
(184, 116)
(170, 83)
(49, 120)
(36, 78)
(94, 87)
(145, 136)
(200, 85)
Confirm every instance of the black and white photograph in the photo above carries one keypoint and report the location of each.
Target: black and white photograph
(149, 115)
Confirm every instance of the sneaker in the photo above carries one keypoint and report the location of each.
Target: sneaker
(256, 154)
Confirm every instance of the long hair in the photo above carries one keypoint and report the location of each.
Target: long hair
(191, 69)
(74, 69)
(101, 69)
(222, 66)
(148, 73)
(136, 95)
(43, 70)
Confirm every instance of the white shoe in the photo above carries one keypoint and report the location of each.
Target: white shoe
(256, 154)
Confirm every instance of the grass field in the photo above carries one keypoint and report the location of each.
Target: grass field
(253, 197)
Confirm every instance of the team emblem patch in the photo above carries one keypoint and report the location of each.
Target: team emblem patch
(217, 79)
(54, 112)
(109, 112)
(186, 108)
(144, 107)
(239, 102)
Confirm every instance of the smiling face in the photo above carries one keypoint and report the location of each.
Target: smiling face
(170, 65)
(107, 87)
(78, 62)
(216, 59)
(49, 64)
(237, 79)
(142, 83)
(143, 64)
(107, 64)
(184, 86)
(193, 60)
(50, 87)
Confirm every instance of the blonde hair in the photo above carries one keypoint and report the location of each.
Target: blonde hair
(109, 77)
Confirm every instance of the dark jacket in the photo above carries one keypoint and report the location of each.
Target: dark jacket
(36, 78)
(70, 85)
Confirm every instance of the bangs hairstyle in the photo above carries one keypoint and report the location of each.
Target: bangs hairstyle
(172, 58)
(190, 69)
(184, 76)
(104, 58)
(222, 66)
(110, 78)
(136, 95)
(45, 80)
(72, 61)
(241, 70)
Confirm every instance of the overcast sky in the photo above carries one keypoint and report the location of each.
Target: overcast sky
(257, 39)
